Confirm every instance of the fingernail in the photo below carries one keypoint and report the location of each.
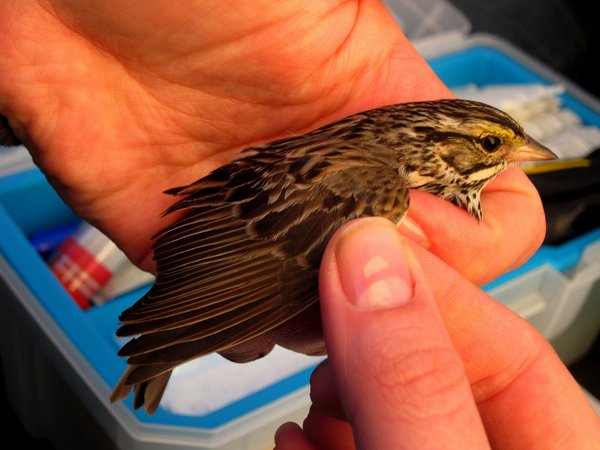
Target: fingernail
(372, 267)
(409, 228)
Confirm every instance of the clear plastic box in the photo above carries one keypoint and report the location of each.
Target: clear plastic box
(422, 20)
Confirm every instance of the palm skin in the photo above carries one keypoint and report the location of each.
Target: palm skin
(119, 101)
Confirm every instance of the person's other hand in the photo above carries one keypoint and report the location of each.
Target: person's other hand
(421, 358)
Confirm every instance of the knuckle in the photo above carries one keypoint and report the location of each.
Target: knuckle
(497, 374)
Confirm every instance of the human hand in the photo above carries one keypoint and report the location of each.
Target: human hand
(118, 101)
(421, 358)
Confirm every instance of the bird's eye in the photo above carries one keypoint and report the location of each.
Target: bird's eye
(490, 143)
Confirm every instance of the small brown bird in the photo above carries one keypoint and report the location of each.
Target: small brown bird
(244, 256)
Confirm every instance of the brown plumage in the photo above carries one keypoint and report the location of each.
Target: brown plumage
(243, 257)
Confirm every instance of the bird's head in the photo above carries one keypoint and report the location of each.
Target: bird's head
(475, 139)
(455, 147)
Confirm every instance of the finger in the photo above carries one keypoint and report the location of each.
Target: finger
(525, 395)
(327, 432)
(290, 436)
(400, 382)
(322, 392)
(512, 229)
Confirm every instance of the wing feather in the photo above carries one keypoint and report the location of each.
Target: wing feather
(243, 257)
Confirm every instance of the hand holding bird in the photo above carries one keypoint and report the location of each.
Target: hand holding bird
(114, 124)
(116, 118)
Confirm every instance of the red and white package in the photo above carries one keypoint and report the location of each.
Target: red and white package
(85, 262)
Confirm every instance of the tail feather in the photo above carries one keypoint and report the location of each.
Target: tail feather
(147, 394)
(122, 389)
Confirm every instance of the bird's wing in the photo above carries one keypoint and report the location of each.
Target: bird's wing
(244, 256)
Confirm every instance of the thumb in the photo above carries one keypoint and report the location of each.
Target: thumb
(400, 381)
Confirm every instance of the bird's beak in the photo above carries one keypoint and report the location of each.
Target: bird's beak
(532, 151)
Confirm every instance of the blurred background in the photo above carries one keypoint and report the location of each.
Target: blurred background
(561, 33)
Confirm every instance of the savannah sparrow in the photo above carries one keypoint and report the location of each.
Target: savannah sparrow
(243, 257)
